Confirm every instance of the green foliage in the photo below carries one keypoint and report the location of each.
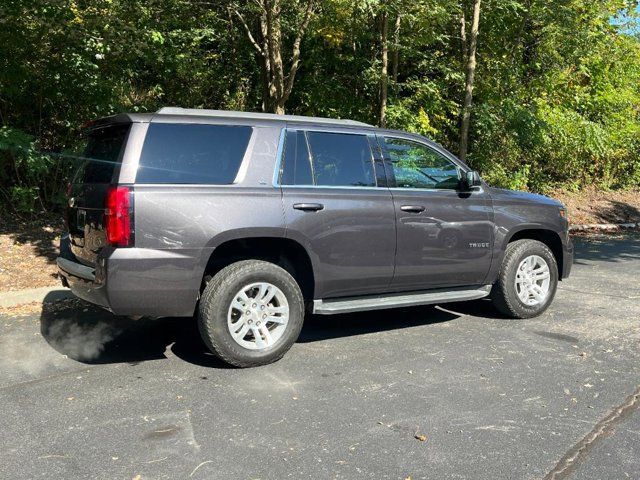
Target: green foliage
(556, 99)
(30, 181)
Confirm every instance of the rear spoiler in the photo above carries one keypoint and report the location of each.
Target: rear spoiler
(117, 119)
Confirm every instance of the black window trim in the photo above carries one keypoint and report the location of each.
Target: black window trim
(282, 158)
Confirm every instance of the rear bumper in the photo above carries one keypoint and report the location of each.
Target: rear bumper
(137, 281)
(80, 278)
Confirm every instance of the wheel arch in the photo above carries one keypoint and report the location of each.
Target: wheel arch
(549, 237)
(284, 252)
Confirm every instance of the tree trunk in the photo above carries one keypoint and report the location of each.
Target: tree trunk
(274, 45)
(463, 38)
(396, 49)
(384, 76)
(468, 91)
(277, 86)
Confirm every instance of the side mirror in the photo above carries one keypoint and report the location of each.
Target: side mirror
(471, 180)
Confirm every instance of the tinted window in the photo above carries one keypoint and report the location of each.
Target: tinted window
(189, 153)
(341, 159)
(418, 166)
(297, 167)
(101, 155)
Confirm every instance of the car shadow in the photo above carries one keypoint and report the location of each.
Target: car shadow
(478, 308)
(324, 327)
(91, 335)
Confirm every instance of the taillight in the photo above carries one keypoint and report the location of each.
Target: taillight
(117, 216)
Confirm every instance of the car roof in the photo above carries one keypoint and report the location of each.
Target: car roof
(255, 116)
(187, 114)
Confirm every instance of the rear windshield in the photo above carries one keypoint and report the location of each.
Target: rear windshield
(102, 153)
(191, 153)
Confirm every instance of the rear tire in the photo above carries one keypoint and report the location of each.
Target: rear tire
(251, 313)
(528, 280)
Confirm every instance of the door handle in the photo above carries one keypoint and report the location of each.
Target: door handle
(308, 207)
(412, 208)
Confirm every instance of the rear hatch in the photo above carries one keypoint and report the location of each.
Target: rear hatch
(98, 168)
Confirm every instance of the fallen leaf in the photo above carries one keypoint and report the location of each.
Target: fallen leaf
(422, 438)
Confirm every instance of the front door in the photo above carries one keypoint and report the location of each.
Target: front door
(332, 206)
(444, 235)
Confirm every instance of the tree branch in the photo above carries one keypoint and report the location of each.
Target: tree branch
(248, 30)
(295, 57)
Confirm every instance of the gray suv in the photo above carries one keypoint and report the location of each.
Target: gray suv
(247, 220)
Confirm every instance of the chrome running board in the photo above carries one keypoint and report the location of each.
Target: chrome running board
(379, 302)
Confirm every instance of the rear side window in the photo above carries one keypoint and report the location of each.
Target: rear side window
(341, 159)
(297, 165)
(190, 153)
(102, 154)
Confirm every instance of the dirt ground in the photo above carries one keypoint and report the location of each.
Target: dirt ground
(28, 251)
(31, 246)
(593, 206)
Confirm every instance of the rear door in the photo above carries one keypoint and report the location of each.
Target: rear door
(444, 234)
(333, 207)
(98, 167)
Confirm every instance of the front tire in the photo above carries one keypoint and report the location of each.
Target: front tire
(251, 313)
(528, 280)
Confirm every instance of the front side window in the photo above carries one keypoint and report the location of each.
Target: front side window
(418, 166)
(185, 153)
(341, 159)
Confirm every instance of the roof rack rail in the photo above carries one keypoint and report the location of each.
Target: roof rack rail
(257, 116)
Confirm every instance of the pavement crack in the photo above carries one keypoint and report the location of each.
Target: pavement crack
(601, 294)
(55, 376)
(578, 453)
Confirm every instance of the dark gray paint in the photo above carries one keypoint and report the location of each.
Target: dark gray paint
(448, 244)
(515, 211)
(352, 242)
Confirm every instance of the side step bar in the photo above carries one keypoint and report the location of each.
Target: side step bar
(358, 304)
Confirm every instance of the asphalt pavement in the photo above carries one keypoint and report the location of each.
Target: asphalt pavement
(450, 391)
